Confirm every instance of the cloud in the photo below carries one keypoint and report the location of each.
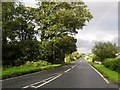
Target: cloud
(84, 45)
(84, 50)
(29, 3)
(103, 26)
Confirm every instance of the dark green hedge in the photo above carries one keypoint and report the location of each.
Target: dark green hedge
(112, 63)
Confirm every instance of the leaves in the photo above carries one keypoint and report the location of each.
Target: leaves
(63, 17)
(104, 50)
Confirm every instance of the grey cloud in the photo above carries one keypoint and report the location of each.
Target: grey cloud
(84, 44)
(103, 25)
(105, 16)
(115, 40)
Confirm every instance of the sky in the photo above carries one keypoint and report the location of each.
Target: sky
(103, 26)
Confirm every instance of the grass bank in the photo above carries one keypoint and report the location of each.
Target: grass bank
(25, 69)
(112, 76)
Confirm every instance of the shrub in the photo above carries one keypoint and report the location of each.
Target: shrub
(72, 57)
(91, 57)
(95, 58)
(112, 63)
(104, 50)
(37, 63)
(67, 59)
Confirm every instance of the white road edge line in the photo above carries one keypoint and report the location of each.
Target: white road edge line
(49, 81)
(67, 70)
(100, 75)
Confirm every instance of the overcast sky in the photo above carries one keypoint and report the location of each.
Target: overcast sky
(103, 26)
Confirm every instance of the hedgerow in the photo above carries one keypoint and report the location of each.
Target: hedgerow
(112, 63)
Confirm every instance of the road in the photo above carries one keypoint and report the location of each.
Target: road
(76, 75)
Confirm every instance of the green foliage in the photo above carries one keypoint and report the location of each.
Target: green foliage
(72, 57)
(19, 43)
(76, 55)
(90, 57)
(37, 63)
(95, 58)
(104, 50)
(54, 50)
(61, 18)
(112, 63)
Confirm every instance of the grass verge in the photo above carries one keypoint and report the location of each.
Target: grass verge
(21, 70)
(112, 76)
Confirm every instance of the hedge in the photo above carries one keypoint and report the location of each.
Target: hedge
(112, 63)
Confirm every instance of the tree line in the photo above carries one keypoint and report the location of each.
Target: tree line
(42, 33)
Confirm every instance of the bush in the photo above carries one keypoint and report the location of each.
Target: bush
(37, 63)
(91, 57)
(104, 50)
(95, 58)
(67, 59)
(112, 63)
(72, 57)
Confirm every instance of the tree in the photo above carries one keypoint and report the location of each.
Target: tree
(61, 18)
(19, 42)
(58, 22)
(104, 50)
(54, 50)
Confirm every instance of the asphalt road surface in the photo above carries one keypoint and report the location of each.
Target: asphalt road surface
(76, 75)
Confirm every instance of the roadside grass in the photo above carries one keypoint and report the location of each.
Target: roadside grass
(24, 69)
(112, 76)
(29, 67)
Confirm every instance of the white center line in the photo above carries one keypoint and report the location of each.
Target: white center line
(45, 81)
(73, 66)
(49, 81)
(67, 70)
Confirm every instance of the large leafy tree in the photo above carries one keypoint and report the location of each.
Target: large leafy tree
(58, 22)
(61, 18)
(104, 50)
